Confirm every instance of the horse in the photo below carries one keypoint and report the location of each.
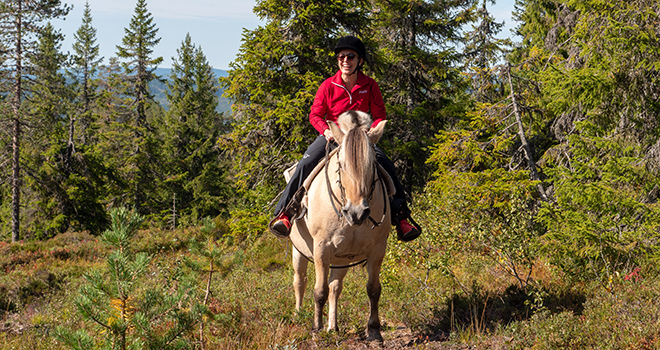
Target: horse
(337, 230)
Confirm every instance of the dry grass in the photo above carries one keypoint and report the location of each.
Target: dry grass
(252, 302)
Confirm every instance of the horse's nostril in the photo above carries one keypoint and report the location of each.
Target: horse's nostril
(365, 214)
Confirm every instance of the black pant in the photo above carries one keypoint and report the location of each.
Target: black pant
(315, 152)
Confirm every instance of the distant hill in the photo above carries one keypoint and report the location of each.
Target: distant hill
(159, 89)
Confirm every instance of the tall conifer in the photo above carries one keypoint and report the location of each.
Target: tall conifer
(84, 70)
(275, 76)
(419, 75)
(47, 158)
(20, 22)
(136, 49)
(195, 168)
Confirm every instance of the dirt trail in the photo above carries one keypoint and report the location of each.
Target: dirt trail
(395, 339)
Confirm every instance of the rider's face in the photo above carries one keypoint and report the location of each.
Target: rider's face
(348, 61)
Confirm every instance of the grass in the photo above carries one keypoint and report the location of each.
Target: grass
(251, 306)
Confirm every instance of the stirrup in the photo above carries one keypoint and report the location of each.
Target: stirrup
(410, 235)
(280, 232)
(294, 209)
(404, 214)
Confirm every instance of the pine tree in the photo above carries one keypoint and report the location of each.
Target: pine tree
(136, 49)
(124, 307)
(20, 21)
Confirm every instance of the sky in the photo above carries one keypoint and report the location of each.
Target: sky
(214, 25)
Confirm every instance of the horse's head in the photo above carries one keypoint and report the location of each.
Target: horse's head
(357, 160)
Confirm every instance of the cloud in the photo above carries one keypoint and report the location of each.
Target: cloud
(176, 9)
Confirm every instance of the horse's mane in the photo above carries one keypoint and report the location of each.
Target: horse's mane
(358, 161)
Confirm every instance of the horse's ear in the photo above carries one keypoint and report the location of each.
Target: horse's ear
(376, 132)
(336, 132)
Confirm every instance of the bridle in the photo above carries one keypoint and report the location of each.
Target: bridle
(333, 197)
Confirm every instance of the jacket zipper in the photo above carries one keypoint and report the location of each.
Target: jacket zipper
(350, 96)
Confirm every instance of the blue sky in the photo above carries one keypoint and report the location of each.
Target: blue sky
(215, 25)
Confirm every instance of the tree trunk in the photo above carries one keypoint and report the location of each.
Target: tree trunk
(521, 133)
(16, 182)
(16, 139)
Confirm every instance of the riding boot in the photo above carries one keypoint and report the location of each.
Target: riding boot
(406, 228)
(281, 226)
(294, 210)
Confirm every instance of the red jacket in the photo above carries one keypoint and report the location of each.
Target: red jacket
(333, 99)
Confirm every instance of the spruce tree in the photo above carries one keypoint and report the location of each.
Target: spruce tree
(84, 69)
(136, 50)
(596, 70)
(483, 51)
(418, 70)
(192, 126)
(137, 47)
(20, 22)
(273, 81)
(48, 155)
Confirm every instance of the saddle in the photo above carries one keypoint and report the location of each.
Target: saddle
(296, 208)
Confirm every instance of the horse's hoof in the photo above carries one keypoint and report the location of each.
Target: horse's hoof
(375, 344)
(374, 337)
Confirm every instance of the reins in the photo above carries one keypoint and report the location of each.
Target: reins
(334, 198)
(382, 186)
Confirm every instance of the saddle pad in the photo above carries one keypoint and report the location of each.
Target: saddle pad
(389, 184)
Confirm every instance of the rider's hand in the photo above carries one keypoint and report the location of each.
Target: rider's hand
(328, 135)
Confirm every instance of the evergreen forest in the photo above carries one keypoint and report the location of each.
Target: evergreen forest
(532, 165)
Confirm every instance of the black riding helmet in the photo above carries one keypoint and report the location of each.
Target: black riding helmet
(352, 43)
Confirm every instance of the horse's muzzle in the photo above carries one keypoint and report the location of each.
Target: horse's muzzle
(356, 215)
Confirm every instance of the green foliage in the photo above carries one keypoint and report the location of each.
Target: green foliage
(50, 158)
(594, 78)
(602, 222)
(196, 173)
(273, 81)
(417, 67)
(84, 71)
(129, 313)
(142, 162)
(22, 23)
(482, 50)
(488, 214)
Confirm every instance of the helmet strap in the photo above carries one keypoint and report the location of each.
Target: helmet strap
(357, 68)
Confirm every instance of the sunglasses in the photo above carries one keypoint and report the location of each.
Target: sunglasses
(350, 57)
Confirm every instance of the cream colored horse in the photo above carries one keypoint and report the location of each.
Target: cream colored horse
(344, 234)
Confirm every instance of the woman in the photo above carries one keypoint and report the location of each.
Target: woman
(349, 89)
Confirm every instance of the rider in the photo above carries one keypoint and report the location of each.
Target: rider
(349, 89)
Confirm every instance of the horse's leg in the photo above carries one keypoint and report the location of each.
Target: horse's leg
(321, 289)
(299, 276)
(373, 291)
(336, 284)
